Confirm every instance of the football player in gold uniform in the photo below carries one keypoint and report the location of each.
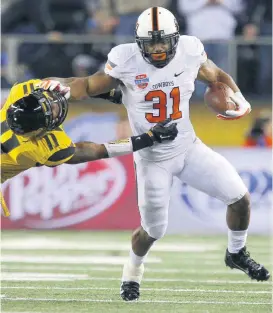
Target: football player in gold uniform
(32, 133)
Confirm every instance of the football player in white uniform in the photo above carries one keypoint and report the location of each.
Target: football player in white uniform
(157, 75)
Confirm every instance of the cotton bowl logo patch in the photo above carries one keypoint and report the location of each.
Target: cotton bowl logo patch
(142, 81)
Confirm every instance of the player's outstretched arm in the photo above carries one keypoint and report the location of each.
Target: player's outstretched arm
(210, 73)
(89, 151)
(82, 87)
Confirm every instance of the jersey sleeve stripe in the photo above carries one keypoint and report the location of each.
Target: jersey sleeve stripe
(10, 144)
(54, 140)
(48, 142)
(4, 127)
(62, 154)
(25, 89)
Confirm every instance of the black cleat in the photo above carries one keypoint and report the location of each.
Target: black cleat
(129, 291)
(242, 261)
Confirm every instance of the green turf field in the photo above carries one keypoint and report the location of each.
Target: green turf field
(67, 272)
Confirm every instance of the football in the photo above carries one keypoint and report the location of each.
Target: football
(217, 98)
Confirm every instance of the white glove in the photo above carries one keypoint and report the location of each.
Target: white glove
(243, 108)
(54, 85)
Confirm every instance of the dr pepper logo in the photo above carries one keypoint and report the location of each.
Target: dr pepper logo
(66, 195)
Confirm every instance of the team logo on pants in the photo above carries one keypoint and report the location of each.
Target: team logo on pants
(142, 81)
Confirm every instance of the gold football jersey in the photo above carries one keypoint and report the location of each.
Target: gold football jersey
(19, 153)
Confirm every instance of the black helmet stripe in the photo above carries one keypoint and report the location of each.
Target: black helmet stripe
(155, 18)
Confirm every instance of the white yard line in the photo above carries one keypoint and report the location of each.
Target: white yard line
(209, 281)
(143, 289)
(118, 269)
(26, 276)
(51, 258)
(140, 301)
(41, 275)
(59, 244)
(183, 261)
(32, 279)
(68, 259)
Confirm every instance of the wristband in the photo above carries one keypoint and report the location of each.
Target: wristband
(129, 145)
(142, 141)
(119, 147)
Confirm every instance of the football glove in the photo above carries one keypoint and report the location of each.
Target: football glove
(243, 108)
(54, 85)
(160, 132)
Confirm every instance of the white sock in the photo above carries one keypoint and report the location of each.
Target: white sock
(135, 259)
(236, 240)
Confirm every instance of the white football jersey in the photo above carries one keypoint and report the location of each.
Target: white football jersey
(152, 94)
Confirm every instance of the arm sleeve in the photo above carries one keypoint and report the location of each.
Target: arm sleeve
(115, 64)
(197, 50)
(63, 148)
(61, 156)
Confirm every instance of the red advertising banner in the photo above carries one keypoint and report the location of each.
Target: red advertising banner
(90, 196)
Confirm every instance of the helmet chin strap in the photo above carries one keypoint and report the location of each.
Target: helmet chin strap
(159, 65)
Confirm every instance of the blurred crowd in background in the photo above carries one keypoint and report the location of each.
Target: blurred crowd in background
(209, 20)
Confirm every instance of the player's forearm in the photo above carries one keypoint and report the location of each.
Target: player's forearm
(82, 87)
(225, 78)
(99, 84)
(89, 151)
(63, 81)
(78, 86)
(95, 86)
(211, 73)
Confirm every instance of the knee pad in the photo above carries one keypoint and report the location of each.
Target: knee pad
(157, 231)
(154, 220)
(154, 201)
(155, 198)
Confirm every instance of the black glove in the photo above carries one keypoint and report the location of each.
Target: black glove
(114, 95)
(160, 132)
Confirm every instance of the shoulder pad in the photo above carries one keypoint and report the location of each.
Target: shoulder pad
(191, 45)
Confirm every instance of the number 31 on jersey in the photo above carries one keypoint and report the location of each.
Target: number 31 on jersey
(159, 98)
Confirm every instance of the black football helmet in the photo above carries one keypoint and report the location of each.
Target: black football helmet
(34, 112)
